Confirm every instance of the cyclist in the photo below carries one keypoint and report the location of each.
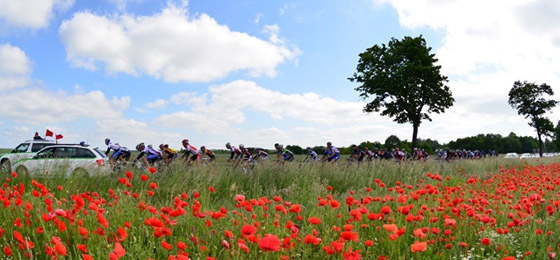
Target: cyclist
(283, 153)
(260, 153)
(190, 149)
(310, 155)
(245, 155)
(357, 154)
(235, 152)
(119, 153)
(206, 152)
(152, 155)
(332, 154)
(168, 153)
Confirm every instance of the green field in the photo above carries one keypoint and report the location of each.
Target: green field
(203, 211)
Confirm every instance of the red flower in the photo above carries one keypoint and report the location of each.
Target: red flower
(82, 248)
(118, 251)
(352, 255)
(166, 245)
(269, 243)
(310, 239)
(7, 251)
(314, 220)
(418, 247)
(386, 210)
(153, 170)
(248, 230)
(391, 228)
(485, 241)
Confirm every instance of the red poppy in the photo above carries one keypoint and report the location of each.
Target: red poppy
(119, 251)
(386, 210)
(391, 228)
(269, 242)
(82, 248)
(314, 220)
(352, 255)
(166, 245)
(248, 230)
(310, 239)
(418, 247)
(7, 251)
(153, 170)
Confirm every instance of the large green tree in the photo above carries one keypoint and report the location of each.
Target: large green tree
(529, 100)
(402, 78)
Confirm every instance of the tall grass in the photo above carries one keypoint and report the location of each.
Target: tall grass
(270, 187)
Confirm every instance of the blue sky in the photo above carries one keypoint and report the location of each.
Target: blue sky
(257, 72)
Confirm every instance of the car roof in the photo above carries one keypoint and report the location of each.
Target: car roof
(39, 141)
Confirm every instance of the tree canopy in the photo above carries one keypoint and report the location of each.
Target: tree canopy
(402, 78)
(529, 100)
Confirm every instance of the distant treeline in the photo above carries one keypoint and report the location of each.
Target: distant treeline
(481, 142)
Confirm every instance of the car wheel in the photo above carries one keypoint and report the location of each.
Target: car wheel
(22, 171)
(79, 173)
(6, 166)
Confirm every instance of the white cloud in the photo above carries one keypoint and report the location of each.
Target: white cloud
(37, 13)
(129, 132)
(286, 118)
(15, 67)
(170, 45)
(486, 46)
(36, 106)
(160, 103)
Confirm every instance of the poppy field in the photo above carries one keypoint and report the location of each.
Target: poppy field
(485, 209)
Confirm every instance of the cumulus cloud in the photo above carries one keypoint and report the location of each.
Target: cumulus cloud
(15, 67)
(487, 46)
(171, 45)
(160, 103)
(37, 106)
(223, 113)
(37, 13)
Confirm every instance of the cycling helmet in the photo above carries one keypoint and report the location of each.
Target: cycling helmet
(139, 146)
(185, 140)
(329, 143)
(308, 148)
(241, 146)
(228, 145)
(203, 147)
(107, 140)
(161, 146)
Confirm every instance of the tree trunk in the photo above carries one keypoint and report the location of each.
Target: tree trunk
(415, 126)
(540, 143)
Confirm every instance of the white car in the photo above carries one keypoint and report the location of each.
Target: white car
(526, 156)
(511, 155)
(26, 149)
(68, 160)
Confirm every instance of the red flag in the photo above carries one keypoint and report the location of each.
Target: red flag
(58, 136)
(49, 133)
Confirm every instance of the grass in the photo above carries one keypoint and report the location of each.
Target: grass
(198, 207)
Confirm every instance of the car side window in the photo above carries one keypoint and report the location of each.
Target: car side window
(84, 153)
(47, 153)
(38, 146)
(22, 148)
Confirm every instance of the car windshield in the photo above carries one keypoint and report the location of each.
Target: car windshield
(99, 152)
(22, 148)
